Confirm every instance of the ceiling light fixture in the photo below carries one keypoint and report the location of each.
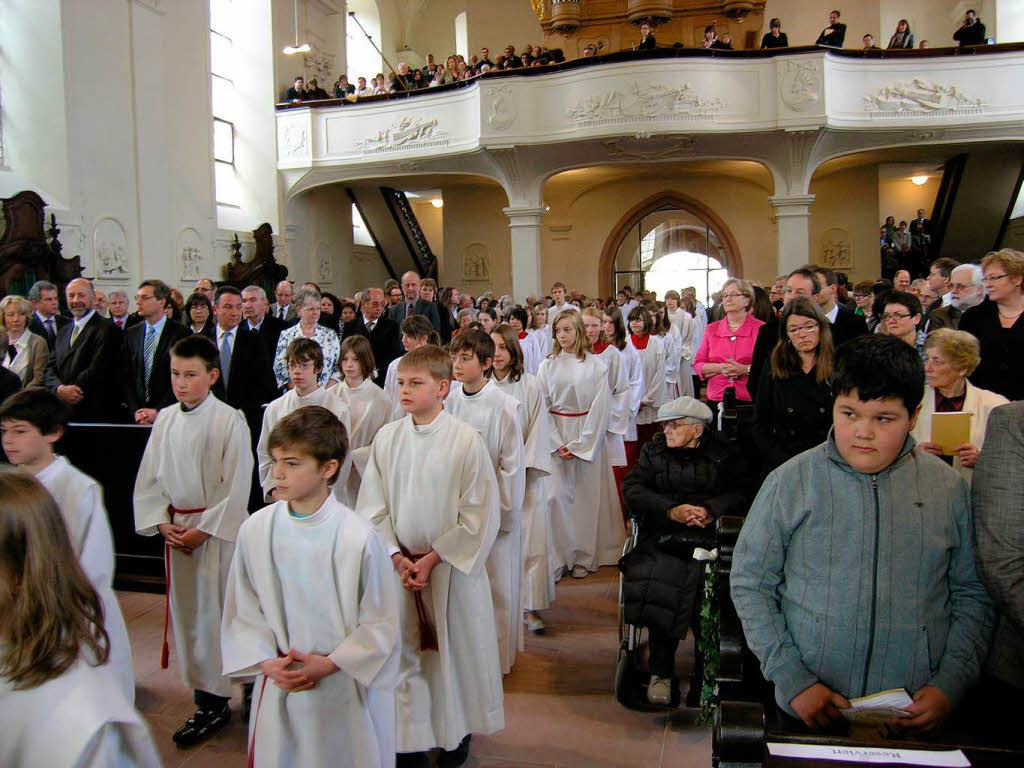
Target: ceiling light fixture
(919, 181)
(437, 202)
(292, 49)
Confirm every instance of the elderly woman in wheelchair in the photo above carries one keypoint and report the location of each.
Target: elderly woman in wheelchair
(685, 478)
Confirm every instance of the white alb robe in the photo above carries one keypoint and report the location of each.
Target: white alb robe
(556, 309)
(544, 339)
(391, 390)
(432, 487)
(653, 359)
(77, 720)
(198, 459)
(289, 402)
(673, 344)
(531, 353)
(618, 416)
(635, 376)
(590, 532)
(537, 587)
(368, 410)
(320, 584)
(80, 500)
(495, 416)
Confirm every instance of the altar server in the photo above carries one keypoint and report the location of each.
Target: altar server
(430, 491)
(519, 321)
(673, 344)
(686, 326)
(57, 703)
(652, 354)
(192, 489)
(540, 334)
(618, 386)
(613, 331)
(537, 585)
(368, 407)
(494, 414)
(32, 421)
(305, 362)
(590, 531)
(416, 332)
(311, 609)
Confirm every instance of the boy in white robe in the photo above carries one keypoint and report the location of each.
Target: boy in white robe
(32, 421)
(305, 361)
(475, 400)
(193, 489)
(311, 607)
(430, 490)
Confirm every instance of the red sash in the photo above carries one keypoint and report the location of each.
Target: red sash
(568, 415)
(523, 335)
(640, 342)
(428, 632)
(600, 346)
(165, 650)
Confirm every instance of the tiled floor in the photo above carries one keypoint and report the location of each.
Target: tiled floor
(559, 707)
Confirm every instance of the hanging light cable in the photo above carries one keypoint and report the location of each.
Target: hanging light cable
(304, 48)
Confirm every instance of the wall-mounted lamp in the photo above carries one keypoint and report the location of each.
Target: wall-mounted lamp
(919, 181)
(292, 49)
(437, 202)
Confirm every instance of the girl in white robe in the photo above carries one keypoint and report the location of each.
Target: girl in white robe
(590, 532)
(540, 334)
(519, 322)
(673, 344)
(416, 331)
(58, 705)
(368, 407)
(431, 488)
(618, 386)
(198, 459)
(538, 583)
(686, 326)
(319, 584)
(652, 355)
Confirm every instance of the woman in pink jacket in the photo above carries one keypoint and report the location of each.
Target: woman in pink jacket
(723, 359)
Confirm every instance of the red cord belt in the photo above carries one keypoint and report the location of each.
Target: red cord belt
(428, 632)
(165, 650)
(568, 415)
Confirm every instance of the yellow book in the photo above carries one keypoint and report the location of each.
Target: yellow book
(951, 429)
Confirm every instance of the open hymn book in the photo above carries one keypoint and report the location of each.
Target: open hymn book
(884, 705)
(951, 429)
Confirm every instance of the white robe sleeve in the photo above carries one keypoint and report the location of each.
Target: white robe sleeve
(246, 637)
(637, 385)
(364, 652)
(467, 543)
(96, 550)
(595, 423)
(689, 331)
(373, 503)
(227, 503)
(119, 744)
(263, 459)
(656, 380)
(618, 418)
(511, 472)
(148, 498)
(537, 430)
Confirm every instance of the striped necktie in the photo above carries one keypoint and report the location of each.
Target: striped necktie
(148, 351)
(225, 357)
(74, 334)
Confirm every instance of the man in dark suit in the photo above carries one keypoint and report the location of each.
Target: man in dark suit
(801, 282)
(258, 321)
(82, 369)
(283, 308)
(845, 324)
(834, 34)
(920, 229)
(45, 321)
(412, 304)
(247, 376)
(382, 331)
(145, 354)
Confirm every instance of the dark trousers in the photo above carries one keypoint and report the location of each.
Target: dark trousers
(663, 648)
(205, 700)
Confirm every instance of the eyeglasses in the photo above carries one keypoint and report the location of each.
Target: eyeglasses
(993, 278)
(809, 328)
(732, 295)
(892, 316)
(306, 366)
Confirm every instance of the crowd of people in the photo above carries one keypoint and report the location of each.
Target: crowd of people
(366, 502)
(456, 68)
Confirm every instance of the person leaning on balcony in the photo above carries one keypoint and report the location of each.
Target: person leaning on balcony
(775, 37)
(710, 35)
(971, 30)
(901, 38)
(724, 43)
(647, 41)
(869, 42)
(298, 90)
(834, 34)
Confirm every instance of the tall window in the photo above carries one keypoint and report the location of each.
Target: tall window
(223, 101)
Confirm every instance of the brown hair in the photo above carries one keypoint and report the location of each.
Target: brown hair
(430, 358)
(303, 350)
(785, 362)
(39, 407)
(580, 347)
(515, 351)
(49, 612)
(613, 313)
(1010, 260)
(477, 342)
(961, 348)
(360, 347)
(418, 327)
(591, 312)
(315, 431)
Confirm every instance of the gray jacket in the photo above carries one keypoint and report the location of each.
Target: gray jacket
(997, 493)
(862, 582)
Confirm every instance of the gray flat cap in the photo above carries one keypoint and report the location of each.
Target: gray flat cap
(685, 408)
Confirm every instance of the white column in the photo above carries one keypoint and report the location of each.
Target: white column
(793, 225)
(524, 224)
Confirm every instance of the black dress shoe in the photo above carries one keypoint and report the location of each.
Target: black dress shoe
(412, 760)
(246, 702)
(456, 757)
(201, 726)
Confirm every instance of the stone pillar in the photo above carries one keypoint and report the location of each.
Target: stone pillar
(524, 224)
(793, 225)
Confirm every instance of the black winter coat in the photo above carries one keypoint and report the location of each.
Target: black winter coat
(793, 415)
(661, 579)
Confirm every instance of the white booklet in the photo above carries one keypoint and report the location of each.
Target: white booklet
(884, 705)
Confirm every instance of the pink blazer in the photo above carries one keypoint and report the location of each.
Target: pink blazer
(720, 345)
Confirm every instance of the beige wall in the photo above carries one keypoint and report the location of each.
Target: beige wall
(848, 201)
(474, 226)
(431, 221)
(802, 21)
(901, 198)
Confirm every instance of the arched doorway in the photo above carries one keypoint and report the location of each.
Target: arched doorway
(669, 241)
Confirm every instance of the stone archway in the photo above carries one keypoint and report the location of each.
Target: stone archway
(663, 201)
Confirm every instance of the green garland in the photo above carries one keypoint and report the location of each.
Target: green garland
(708, 643)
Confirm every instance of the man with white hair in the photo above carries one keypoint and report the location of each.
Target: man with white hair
(117, 305)
(283, 309)
(412, 304)
(967, 290)
(83, 366)
(255, 307)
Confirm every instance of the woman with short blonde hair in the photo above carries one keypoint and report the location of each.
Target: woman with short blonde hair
(949, 358)
(26, 353)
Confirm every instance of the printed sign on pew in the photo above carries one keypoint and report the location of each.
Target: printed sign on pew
(945, 759)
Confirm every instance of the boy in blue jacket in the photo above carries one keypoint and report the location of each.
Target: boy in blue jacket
(855, 569)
